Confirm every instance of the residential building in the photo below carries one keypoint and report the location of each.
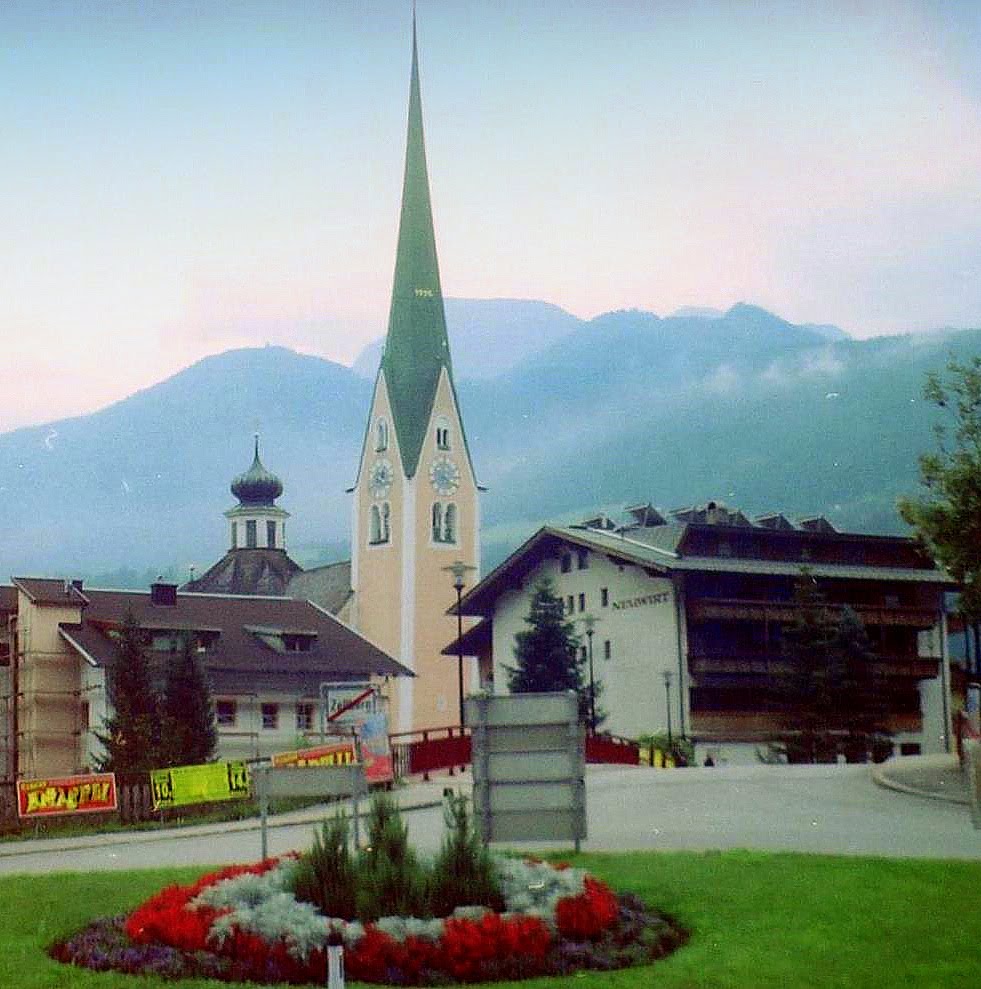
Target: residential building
(690, 613)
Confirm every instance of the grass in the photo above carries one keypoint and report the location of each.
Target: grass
(758, 921)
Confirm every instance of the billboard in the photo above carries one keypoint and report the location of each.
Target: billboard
(85, 794)
(184, 785)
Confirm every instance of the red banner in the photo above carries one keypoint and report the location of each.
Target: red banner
(318, 755)
(88, 794)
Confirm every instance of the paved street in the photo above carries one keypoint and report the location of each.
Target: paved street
(829, 809)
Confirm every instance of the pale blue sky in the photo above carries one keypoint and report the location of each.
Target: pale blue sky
(180, 178)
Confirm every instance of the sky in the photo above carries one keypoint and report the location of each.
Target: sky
(180, 178)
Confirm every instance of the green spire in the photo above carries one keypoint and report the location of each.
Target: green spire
(416, 348)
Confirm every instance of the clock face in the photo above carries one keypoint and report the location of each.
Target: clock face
(444, 475)
(380, 478)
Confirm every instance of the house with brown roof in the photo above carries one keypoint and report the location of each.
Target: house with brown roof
(267, 659)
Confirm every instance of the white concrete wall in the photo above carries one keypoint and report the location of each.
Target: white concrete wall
(639, 622)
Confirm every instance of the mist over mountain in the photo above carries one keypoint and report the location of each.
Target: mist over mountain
(594, 414)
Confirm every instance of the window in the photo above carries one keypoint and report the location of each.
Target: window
(583, 652)
(570, 605)
(444, 523)
(566, 564)
(582, 559)
(270, 717)
(582, 602)
(607, 649)
(251, 534)
(379, 525)
(442, 434)
(271, 534)
(164, 642)
(605, 597)
(381, 435)
(909, 748)
(235, 535)
(304, 717)
(292, 642)
(225, 713)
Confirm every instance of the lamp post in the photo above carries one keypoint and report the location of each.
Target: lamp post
(667, 674)
(590, 622)
(459, 569)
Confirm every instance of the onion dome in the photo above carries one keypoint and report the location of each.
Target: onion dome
(257, 486)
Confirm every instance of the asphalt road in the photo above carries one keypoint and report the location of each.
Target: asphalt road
(826, 809)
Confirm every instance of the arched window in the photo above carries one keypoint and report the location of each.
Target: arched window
(375, 525)
(386, 527)
(381, 435)
(442, 433)
(449, 524)
(437, 523)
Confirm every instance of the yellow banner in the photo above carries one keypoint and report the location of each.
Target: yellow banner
(184, 785)
(319, 755)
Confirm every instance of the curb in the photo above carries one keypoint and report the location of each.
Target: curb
(113, 838)
(881, 779)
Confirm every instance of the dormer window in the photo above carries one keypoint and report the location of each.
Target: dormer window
(381, 435)
(293, 642)
(442, 434)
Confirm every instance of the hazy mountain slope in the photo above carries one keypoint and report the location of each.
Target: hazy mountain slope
(625, 407)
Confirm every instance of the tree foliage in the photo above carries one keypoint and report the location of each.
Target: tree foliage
(547, 653)
(831, 688)
(947, 518)
(189, 732)
(131, 733)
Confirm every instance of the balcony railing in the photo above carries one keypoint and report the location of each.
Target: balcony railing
(741, 609)
(731, 662)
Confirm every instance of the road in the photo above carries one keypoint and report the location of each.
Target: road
(825, 809)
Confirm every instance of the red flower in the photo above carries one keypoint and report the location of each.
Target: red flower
(586, 916)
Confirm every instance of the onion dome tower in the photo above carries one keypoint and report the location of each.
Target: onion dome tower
(256, 561)
(256, 522)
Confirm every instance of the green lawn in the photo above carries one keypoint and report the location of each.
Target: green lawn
(757, 921)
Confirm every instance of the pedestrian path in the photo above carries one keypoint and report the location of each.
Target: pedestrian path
(938, 777)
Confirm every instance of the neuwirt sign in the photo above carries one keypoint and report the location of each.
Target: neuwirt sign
(644, 601)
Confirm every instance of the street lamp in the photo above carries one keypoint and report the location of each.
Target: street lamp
(667, 674)
(459, 569)
(590, 622)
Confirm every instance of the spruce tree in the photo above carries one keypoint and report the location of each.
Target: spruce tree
(190, 735)
(547, 653)
(131, 733)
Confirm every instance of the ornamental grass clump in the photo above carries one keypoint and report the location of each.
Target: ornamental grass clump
(326, 875)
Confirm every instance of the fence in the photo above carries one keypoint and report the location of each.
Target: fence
(423, 752)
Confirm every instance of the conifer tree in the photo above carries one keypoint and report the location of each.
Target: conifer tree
(131, 733)
(547, 653)
(190, 735)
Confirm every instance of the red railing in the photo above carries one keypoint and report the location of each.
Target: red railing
(612, 749)
(415, 752)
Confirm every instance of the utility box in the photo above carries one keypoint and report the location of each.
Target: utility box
(529, 767)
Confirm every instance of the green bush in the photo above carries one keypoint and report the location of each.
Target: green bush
(390, 880)
(325, 876)
(463, 873)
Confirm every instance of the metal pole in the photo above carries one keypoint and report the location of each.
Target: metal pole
(667, 699)
(458, 584)
(592, 683)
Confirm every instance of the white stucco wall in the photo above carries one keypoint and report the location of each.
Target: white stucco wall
(639, 622)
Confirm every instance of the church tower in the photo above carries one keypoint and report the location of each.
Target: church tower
(415, 506)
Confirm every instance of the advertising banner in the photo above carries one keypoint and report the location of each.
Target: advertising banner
(88, 794)
(361, 707)
(341, 754)
(184, 785)
(375, 751)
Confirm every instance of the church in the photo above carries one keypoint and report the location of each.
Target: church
(415, 511)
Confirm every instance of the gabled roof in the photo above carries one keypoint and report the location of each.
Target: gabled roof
(48, 590)
(337, 652)
(328, 586)
(660, 550)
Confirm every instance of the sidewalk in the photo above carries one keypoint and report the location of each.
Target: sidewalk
(414, 795)
(938, 777)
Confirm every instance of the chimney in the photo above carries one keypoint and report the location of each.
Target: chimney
(163, 594)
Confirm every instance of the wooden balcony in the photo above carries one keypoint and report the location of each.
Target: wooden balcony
(733, 609)
(758, 726)
(705, 663)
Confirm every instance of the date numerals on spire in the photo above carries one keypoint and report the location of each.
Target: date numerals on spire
(425, 293)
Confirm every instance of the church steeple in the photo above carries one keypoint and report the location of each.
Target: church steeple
(416, 348)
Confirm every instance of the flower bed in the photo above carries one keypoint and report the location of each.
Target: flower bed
(244, 923)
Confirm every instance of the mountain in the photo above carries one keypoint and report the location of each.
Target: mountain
(490, 336)
(743, 407)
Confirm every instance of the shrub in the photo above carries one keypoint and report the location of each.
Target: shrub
(325, 876)
(463, 872)
(392, 882)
